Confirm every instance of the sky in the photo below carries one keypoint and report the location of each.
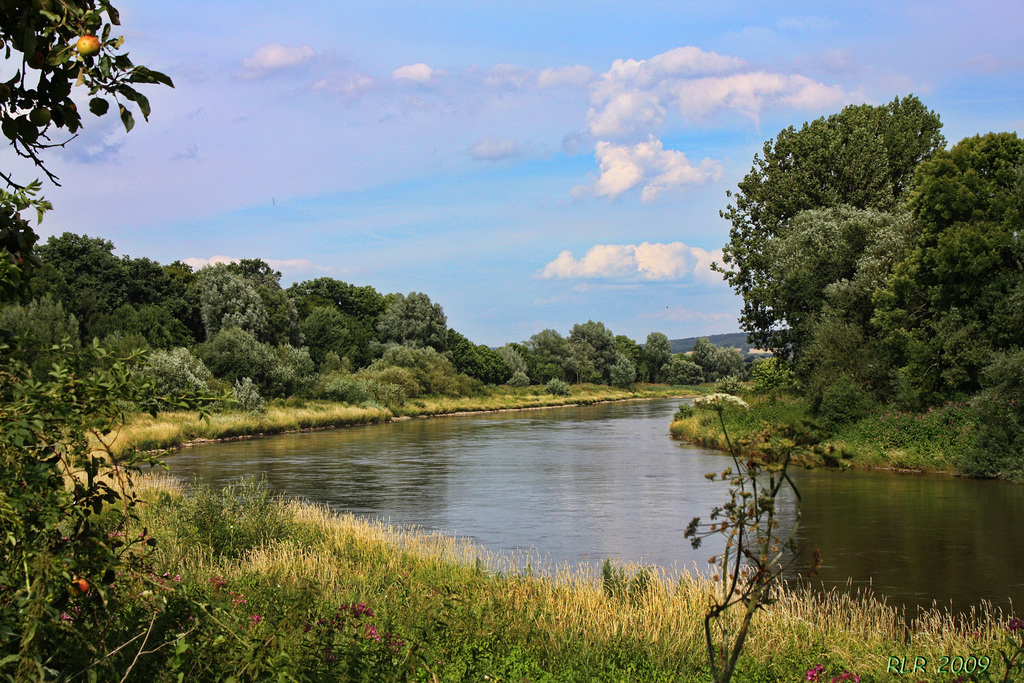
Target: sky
(528, 165)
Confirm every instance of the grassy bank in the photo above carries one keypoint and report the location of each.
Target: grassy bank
(932, 441)
(294, 587)
(172, 429)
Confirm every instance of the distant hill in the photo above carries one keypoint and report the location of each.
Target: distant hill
(735, 339)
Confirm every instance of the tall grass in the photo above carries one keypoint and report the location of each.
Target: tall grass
(467, 613)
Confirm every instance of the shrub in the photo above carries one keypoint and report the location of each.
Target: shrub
(519, 379)
(248, 396)
(622, 374)
(177, 371)
(770, 375)
(843, 402)
(558, 387)
(729, 385)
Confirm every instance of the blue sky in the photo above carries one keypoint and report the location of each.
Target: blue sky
(526, 164)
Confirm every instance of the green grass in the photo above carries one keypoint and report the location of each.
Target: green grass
(172, 429)
(282, 572)
(931, 441)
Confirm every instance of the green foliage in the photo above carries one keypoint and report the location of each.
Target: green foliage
(618, 585)
(228, 300)
(413, 321)
(863, 157)
(557, 387)
(552, 356)
(247, 395)
(154, 323)
(771, 375)
(177, 371)
(998, 411)
(431, 372)
(682, 370)
(959, 295)
(519, 379)
(229, 522)
(622, 374)
(593, 351)
(362, 390)
(234, 353)
(841, 402)
(658, 350)
(729, 385)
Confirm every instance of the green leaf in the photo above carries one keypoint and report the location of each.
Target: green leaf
(126, 118)
(98, 106)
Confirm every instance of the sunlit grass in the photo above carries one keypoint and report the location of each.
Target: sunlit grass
(172, 429)
(457, 597)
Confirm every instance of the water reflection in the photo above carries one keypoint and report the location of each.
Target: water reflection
(583, 484)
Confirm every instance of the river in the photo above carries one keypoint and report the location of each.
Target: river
(581, 484)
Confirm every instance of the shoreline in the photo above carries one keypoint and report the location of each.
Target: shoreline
(198, 441)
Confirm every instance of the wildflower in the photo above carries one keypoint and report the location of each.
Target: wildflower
(812, 674)
(256, 619)
(1016, 624)
(846, 676)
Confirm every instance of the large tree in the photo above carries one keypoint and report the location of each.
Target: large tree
(414, 321)
(959, 295)
(863, 157)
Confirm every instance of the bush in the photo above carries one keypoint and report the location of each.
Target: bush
(771, 375)
(248, 396)
(622, 374)
(843, 402)
(685, 410)
(519, 379)
(178, 371)
(557, 387)
(729, 385)
(998, 412)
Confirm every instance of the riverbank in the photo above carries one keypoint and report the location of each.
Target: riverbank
(295, 587)
(177, 429)
(933, 442)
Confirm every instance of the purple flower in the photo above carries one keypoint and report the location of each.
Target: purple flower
(256, 619)
(1016, 624)
(813, 674)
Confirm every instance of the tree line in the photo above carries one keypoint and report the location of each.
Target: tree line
(233, 325)
(886, 268)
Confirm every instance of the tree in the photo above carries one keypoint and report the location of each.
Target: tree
(413, 321)
(63, 505)
(228, 299)
(595, 345)
(84, 274)
(552, 354)
(622, 373)
(327, 330)
(658, 350)
(863, 157)
(958, 297)
(682, 370)
(636, 356)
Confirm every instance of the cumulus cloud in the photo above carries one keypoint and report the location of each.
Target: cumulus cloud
(634, 97)
(416, 73)
(659, 170)
(644, 262)
(566, 77)
(274, 57)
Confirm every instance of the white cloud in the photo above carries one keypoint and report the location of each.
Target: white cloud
(647, 261)
(490, 149)
(507, 77)
(660, 170)
(634, 97)
(568, 76)
(286, 265)
(350, 84)
(274, 57)
(417, 73)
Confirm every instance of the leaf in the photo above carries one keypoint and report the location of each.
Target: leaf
(98, 106)
(126, 118)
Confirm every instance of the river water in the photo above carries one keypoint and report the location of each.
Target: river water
(574, 485)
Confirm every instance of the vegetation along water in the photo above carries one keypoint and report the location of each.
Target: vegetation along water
(881, 269)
